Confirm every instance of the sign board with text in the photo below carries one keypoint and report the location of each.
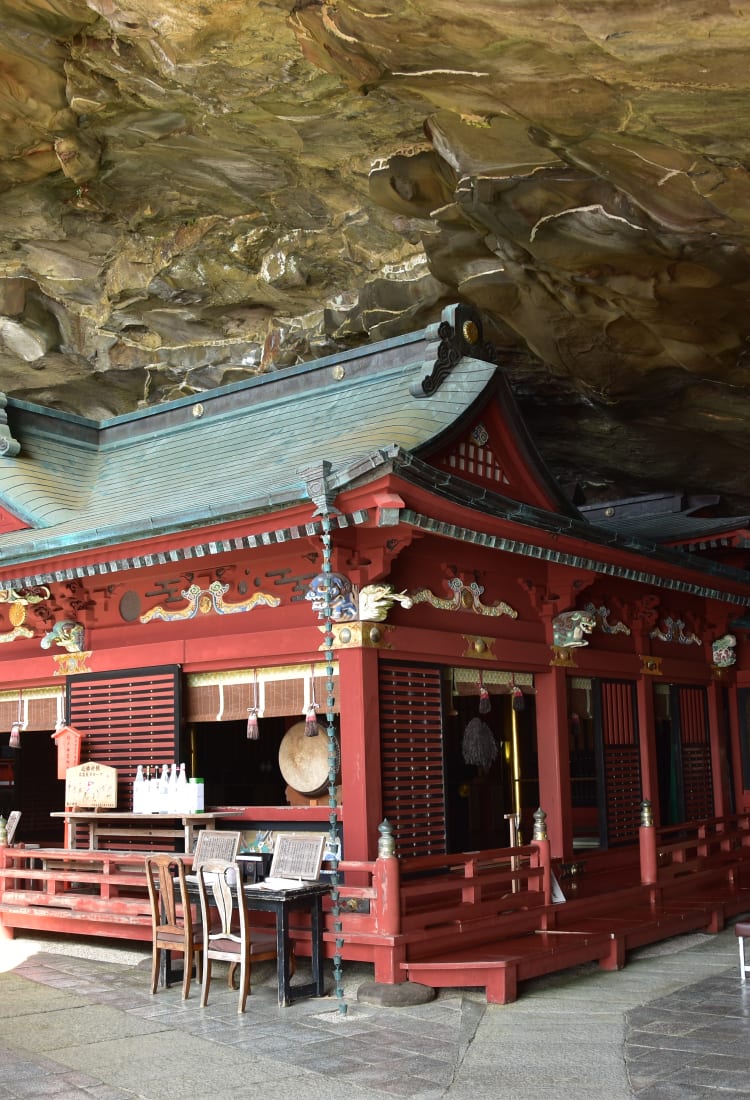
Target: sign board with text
(68, 741)
(91, 786)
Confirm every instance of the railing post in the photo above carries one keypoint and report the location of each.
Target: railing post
(647, 843)
(540, 841)
(386, 880)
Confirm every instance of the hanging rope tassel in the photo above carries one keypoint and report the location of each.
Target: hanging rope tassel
(15, 728)
(485, 706)
(311, 722)
(253, 732)
(518, 701)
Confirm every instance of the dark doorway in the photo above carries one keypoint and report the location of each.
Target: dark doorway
(38, 792)
(238, 771)
(478, 796)
(683, 753)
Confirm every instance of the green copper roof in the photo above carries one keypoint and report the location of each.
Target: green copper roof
(230, 453)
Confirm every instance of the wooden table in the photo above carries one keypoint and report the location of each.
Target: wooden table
(282, 903)
(109, 823)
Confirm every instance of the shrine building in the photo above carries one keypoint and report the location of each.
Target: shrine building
(349, 593)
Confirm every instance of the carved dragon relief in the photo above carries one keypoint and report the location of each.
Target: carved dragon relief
(601, 614)
(675, 632)
(203, 601)
(466, 597)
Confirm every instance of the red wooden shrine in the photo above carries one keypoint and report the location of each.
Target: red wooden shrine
(492, 652)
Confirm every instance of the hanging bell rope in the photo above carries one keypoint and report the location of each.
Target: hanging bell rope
(253, 732)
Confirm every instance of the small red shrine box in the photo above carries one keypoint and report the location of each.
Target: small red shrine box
(68, 741)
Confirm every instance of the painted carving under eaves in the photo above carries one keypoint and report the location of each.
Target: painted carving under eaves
(466, 597)
(202, 601)
(334, 594)
(571, 627)
(723, 651)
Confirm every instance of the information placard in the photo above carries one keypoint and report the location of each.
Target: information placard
(91, 786)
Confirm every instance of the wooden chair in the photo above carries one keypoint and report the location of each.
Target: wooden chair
(226, 926)
(171, 917)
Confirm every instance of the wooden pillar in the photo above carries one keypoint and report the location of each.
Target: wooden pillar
(553, 748)
(719, 739)
(734, 733)
(360, 750)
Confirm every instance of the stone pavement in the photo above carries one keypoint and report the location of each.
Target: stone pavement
(77, 1021)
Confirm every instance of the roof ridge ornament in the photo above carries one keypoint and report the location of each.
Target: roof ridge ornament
(9, 447)
(458, 333)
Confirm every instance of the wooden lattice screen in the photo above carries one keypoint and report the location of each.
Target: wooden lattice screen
(696, 753)
(411, 747)
(127, 718)
(621, 763)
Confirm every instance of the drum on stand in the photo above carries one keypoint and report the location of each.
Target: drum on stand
(303, 761)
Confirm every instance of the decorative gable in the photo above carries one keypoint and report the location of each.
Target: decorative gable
(472, 458)
(496, 452)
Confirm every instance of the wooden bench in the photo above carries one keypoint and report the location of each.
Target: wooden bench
(87, 892)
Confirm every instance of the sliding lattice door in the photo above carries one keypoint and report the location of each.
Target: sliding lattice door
(620, 762)
(127, 718)
(695, 748)
(411, 746)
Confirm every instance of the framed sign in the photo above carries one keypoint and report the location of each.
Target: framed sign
(91, 786)
(13, 818)
(298, 856)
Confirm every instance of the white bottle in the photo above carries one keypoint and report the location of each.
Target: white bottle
(163, 789)
(138, 789)
(172, 790)
(153, 791)
(182, 792)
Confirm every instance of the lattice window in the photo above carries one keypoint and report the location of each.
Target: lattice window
(475, 462)
(622, 770)
(411, 746)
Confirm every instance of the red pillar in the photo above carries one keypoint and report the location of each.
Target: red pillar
(553, 747)
(734, 734)
(360, 750)
(718, 732)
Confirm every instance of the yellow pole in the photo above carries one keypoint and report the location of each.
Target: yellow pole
(193, 752)
(516, 765)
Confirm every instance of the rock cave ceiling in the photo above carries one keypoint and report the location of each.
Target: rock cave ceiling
(195, 191)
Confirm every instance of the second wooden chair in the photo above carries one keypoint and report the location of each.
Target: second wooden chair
(226, 926)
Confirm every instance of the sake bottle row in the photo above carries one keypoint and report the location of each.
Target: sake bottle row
(166, 790)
